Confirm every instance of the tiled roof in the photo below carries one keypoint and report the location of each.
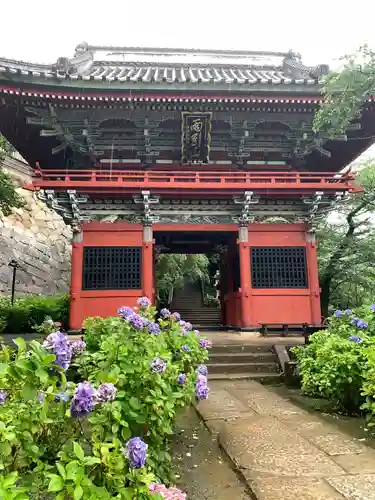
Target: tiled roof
(144, 66)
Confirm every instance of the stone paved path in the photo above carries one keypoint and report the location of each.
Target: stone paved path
(282, 451)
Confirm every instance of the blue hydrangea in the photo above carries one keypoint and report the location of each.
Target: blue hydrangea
(359, 323)
(78, 347)
(125, 312)
(205, 343)
(136, 452)
(158, 365)
(338, 313)
(154, 328)
(3, 397)
(185, 348)
(181, 379)
(176, 316)
(62, 396)
(348, 312)
(83, 401)
(58, 343)
(106, 392)
(372, 307)
(202, 370)
(165, 313)
(144, 302)
(201, 388)
(355, 338)
(136, 321)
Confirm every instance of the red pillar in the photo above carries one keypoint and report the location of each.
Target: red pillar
(148, 263)
(76, 282)
(245, 280)
(313, 274)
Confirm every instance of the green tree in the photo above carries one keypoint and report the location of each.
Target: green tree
(346, 250)
(345, 93)
(9, 198)
(174, 270)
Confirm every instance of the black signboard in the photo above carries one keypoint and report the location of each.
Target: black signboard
(196, 137)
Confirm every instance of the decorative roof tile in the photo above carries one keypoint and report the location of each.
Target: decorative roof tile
(142, 66)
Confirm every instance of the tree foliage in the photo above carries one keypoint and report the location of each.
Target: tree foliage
(346, 249)
(346, 92)
(174, 270)
(9, 198)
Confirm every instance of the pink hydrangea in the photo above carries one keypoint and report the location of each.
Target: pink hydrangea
(167, 493)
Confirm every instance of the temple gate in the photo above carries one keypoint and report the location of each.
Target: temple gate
(150, 150)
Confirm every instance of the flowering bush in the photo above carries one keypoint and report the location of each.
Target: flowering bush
(334, 365)
(107, 436)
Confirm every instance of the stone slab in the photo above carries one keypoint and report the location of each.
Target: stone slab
(338, 443)
(262, 446)
(355, 487)
(282, 488)
(362, 463)
(222, 405)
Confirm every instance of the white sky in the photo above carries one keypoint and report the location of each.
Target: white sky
(321, 30)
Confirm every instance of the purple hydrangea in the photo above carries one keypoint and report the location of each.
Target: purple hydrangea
(197, 333)
(338, 313)
(3, 396)
(354, 321)
(355, 339)
(83, 401)
(158, 365)
(144, 302)
(188, 326)
(176, 316)
(202, 370)
(372, 307)
(185, 348)
(106, 392)
(181, 379)
(201, 388)
(136, 321)
(207, 344)
(136, 452)
(125, 312)
(78, 347)
(359, 323)
(182, 323)
(348, 312)
(170, 493)
(58, 343)
(154, 328)
(165, 313)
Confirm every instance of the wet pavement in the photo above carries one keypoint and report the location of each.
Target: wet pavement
(281, 450)
(204, 472)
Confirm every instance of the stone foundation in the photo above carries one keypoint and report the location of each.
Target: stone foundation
(40, 241)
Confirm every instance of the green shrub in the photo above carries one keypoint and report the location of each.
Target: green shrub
(106, 437)
(30, 311)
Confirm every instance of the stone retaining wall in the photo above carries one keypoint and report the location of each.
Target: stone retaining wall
(40, 241)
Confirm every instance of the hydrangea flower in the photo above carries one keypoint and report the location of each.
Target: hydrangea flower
(62, 396)
(202, 370)
(106, 392)
(176, 316)
(136, 452)
(3, 396)
(359, 323)
(181, 379)
(185, 348)
(182, 323)
(188, 326)
(338, 313)
(78, 347)
(40, 397)
(171, 493)
(154, 328)
(58, 343)
(355, 338)
(165, 313)
(144, 302)
(125, 312)
(158, 365)
(201, 388)
(197, 333)
(348, 312)
(83, 401)
(207, 344)
(372, 307)
(136, 321)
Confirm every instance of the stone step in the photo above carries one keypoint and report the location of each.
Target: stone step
(242, 357)
(226, 368)
(239, 348)
(265, 378)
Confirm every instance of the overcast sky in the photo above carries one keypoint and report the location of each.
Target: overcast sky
(321, 30)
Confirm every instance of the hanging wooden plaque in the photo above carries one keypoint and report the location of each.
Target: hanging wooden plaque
(196, 137)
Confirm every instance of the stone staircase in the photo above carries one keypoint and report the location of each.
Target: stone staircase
(258, 362)
(188, 302)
